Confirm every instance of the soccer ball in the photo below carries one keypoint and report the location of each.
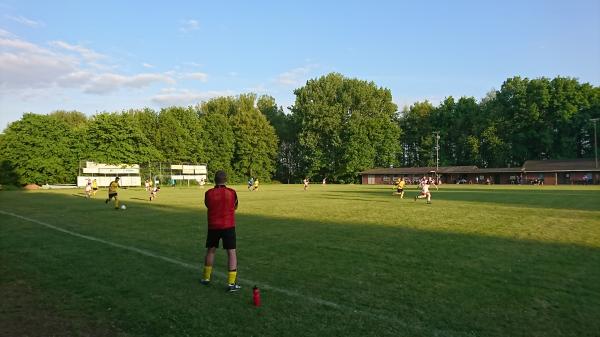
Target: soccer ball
(123, 207)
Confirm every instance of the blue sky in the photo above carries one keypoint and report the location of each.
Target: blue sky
(97, 56)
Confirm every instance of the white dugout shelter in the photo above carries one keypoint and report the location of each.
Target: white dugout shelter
(129, 174)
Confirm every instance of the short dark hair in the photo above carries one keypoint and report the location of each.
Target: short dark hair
(220, 177)
(117, 178)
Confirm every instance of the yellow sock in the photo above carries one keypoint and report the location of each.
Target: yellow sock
(116, 203)
(231, 276)
(207, 272)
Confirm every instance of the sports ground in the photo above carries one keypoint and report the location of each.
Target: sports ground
(337, 260)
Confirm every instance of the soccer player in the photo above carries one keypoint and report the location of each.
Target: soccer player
(112, 192)
(154, 192)
(425, 193)
(221, 202)
(250, 184)
(255, 184)
(94, 187)
(400, 187)
(88, 189)
(306, 182)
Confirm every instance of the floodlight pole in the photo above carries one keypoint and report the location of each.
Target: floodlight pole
(437, 153)
(594, 120)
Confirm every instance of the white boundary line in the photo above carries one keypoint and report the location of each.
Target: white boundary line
(290, 293)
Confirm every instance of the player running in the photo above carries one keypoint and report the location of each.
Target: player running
(112, 192)
(154, 192)
(306, 182)
(400, 183)
(425, 193)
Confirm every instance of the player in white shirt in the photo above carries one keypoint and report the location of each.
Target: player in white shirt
(425, 193)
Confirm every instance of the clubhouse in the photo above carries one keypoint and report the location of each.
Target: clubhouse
(550, 172)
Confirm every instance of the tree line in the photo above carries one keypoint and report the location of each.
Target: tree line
(337, 127)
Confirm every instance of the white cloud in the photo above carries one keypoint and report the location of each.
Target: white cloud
(108, 82)
(15, 44)
(193, 64)
(4, 33)
(74, 79)
(87, 54)
(147, 65)
(295, 76)
(258, 89)
(195, 76)
(189, 26)
(24, 65)
(186, 97)
(25, 21)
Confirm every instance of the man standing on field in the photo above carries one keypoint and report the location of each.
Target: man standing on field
(221, 202)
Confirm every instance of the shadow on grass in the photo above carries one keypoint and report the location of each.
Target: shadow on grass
(586, 200)
(407, 281)
(338, 197)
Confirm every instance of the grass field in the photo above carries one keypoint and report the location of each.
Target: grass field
(338, 260)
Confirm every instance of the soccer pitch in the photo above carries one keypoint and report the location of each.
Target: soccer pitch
(337, 260)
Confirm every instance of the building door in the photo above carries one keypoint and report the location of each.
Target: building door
(564, 178)
(371, 179)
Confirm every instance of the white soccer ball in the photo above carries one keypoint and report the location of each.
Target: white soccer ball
(123, 207)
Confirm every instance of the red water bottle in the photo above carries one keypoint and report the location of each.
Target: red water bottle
(256, 296)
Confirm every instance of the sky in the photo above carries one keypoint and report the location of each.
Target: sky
(95, 56)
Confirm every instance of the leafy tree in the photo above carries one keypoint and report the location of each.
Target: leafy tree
(344, 126)
(255, 144)
(417, 140)
(74, 119)
(147, 121)
(179, 135)
(218, 142)
(287, 158)
(38, 149)
(115, 138)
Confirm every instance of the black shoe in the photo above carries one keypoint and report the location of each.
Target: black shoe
(205, 282)
(106, 201)
(233, 288)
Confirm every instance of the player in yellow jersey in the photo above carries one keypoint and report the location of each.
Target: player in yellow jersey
(400, 187)
(255, 185)
(112, 192)
(94, 187)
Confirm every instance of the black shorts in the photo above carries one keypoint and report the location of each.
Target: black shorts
(399, 190)
(95, 188)
(112, 195)
(214, 235)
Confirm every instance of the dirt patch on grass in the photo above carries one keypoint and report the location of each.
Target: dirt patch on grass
(24, 312)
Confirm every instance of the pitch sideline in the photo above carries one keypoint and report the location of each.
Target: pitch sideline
(246, 282)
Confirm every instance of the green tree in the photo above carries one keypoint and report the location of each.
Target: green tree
(287, 158)
(179, 135)
(115, 138)
(344, 126)
(417, 140)
(74, 119)
(255, 144)
(38, 149)
(218, 142)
